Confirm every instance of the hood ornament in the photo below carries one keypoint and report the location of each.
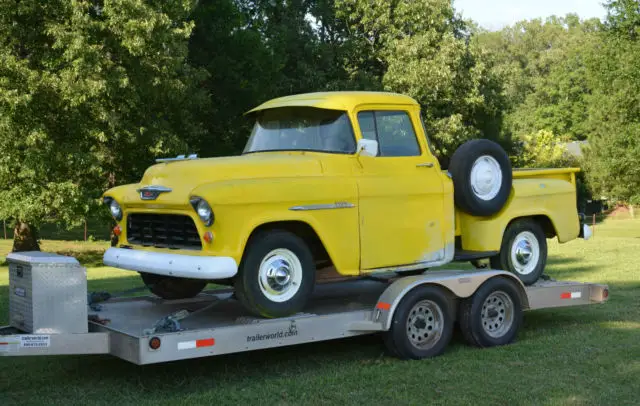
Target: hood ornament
(152, 192)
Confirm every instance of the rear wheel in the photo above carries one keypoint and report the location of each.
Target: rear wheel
(277, 274)
(422, 324)
(523, 251)
(493, 315)
(172, 288)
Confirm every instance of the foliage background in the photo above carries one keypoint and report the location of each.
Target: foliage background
(91, 91)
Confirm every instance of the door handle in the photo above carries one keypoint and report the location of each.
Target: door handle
(425, 165)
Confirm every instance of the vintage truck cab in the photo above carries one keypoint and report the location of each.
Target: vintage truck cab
(338, 181)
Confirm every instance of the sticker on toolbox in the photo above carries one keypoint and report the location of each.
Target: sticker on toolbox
(20, 292)
(35, 341)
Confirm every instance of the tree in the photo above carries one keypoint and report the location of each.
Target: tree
(613, 157)
(90, 93)
(544, 70)
(424, 49)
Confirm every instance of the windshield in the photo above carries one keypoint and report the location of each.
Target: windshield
(302, 129)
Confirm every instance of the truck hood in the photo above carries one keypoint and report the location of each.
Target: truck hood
(184, 176)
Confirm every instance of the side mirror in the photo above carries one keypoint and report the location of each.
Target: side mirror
(367, 148)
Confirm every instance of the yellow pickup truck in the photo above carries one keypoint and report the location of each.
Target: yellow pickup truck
(334, 185)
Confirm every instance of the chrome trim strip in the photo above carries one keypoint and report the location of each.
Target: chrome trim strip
(178, 158)
(155, 188)
(328, 206)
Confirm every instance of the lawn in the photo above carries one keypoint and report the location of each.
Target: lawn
(588, 355)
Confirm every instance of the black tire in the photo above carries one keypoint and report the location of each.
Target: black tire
(401, 336)
(513, 235)
(171, 288)
(247, 283)
(488, 327)
(462, 163)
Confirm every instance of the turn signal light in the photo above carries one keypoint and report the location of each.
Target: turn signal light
(117, 230)
(208, 237)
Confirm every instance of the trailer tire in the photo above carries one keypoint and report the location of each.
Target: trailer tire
(422, 324)
(172, 288)
(493, 315)
(523, 241)
(482, 177)
(277, 274)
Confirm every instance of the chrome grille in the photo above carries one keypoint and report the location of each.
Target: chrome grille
(172, 231)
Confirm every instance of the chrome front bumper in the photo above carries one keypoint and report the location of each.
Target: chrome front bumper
(160, 263)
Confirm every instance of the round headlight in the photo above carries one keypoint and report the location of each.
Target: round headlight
(116, 210)
(204, 212)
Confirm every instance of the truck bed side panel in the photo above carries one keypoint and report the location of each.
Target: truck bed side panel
(552, 196)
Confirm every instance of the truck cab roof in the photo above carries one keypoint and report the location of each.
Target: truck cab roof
(345, 101)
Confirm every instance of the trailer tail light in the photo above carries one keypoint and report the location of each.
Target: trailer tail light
(605, 293)
(383, 306)
(154, 343)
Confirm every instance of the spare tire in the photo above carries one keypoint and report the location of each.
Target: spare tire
(481, 174)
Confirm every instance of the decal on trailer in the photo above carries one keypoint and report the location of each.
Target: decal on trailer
(9, 346)
(290, 332)
(35, 341)
(190, 345)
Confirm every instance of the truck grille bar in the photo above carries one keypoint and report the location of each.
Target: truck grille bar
(172, 231)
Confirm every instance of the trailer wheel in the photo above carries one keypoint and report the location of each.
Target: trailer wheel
(523, 251)
(493, 315)
(482, 177)
(277, 275)
(422, 324)
(172, 288)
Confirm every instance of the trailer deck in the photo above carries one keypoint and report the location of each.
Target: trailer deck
(217, 324)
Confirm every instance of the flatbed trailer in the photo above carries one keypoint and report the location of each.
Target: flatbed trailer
(415, 315)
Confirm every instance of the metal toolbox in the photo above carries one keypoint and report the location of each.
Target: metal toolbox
(48, 293)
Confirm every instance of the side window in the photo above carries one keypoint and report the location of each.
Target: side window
(393, 131)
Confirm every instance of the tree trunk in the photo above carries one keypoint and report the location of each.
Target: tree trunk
(25, 237)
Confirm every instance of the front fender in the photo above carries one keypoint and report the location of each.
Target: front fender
(240, 206)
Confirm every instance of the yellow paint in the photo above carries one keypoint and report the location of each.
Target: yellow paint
(403, 213)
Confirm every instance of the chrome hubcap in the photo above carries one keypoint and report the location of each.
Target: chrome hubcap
(425, 324)
(486, 177)
(525, 253)
(280, 275)
(497, 314)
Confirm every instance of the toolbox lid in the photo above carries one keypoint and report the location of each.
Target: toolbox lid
(39, 257)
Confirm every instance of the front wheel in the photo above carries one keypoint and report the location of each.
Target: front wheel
(523, 251)
(276, 276)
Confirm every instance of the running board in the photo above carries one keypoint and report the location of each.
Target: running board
(466, 255)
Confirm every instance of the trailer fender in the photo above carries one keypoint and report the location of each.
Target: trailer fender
(460, 285)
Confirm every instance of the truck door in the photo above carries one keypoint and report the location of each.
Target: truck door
(402, 219)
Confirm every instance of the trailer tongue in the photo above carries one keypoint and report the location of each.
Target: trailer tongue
(49, 314)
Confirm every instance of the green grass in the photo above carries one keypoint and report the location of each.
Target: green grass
(574, 356)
